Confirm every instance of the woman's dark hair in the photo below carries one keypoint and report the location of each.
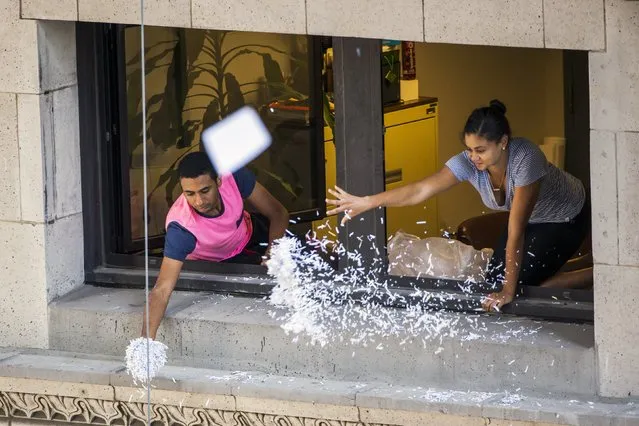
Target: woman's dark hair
(488, 122)
(196, 164)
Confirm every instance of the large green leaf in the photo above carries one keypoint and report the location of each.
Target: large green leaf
(189, 129)
(165, 124)
(170, 171)
(170, 186)
(151, 60)
(273, 74)
(193, 46)
(234, 98)
(212, 114)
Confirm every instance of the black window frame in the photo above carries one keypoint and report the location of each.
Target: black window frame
(105, 268)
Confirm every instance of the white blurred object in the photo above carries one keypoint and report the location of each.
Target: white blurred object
(434, 257)
(236, 141)
(554, 148)
(137, 361)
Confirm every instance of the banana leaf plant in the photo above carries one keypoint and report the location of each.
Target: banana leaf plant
(206, 55)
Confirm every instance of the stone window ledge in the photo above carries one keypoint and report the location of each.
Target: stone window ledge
(206, 330)
(78, 388)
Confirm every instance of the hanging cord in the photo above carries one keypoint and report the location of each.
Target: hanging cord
(146, 215)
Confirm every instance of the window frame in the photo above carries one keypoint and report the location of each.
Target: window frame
(103, 267)
(118, 156)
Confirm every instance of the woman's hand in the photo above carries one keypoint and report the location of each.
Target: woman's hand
(267, 256)
(495, 301)
(350, 205)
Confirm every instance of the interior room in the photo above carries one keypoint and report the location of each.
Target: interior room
(428, 91)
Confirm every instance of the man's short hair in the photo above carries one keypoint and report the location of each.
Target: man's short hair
(196, 164)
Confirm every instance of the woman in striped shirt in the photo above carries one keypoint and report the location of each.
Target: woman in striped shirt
(548, 208)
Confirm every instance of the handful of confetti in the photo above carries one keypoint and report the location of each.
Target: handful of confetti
(137, 362)
(295, 288)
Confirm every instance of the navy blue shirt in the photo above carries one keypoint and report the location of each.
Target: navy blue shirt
(179, 242)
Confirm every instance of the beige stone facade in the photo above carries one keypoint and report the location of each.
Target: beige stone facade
(40, 207)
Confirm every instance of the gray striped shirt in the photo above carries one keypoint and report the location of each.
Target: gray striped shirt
(561, 196)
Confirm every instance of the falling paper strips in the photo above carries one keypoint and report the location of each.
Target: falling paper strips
(137, 361)
(350, 307)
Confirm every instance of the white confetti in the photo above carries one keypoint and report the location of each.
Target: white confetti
(511, 399)
(350, 305)
(136, 359)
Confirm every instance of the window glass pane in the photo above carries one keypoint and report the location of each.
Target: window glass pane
(195, 78)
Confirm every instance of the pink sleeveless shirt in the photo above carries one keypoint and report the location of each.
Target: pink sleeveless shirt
(217, 238)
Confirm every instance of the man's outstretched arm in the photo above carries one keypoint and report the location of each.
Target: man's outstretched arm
(159, 296)
(266, 204)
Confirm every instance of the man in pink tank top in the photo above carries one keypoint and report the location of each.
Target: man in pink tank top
(209, 222)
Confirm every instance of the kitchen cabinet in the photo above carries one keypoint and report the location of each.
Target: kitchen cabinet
(410, 154)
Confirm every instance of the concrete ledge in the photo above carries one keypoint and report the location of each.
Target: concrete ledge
(185, 395)
(205, 330)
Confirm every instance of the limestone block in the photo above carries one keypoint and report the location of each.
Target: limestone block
(48, 128)
(112, 11)
(61, 10)
(617, 330)
(23, 311)
(6, 353)
(64, 256)
(603, 193)
(424, 399)
(577, 25)
(9, 158)
(66, 136)
(399, 417)
(628, 178)
(275, 16)
(166, 13)
(298, 409)
(57, 53)
(19, 67)
(614, 81)
(169, 13)
(169, 397)
(56, 387)
(215, 384)
(242, 335)
(489, 22)
(288, 388)
(354, 18)
(76, 369)
(33, 193)
(97, 320)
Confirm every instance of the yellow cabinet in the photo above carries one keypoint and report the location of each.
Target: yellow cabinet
(410, 154)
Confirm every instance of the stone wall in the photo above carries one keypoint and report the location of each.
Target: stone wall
(38, 131)
(45, 387)
(556, 24)
(614, 119)
(40, 203)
